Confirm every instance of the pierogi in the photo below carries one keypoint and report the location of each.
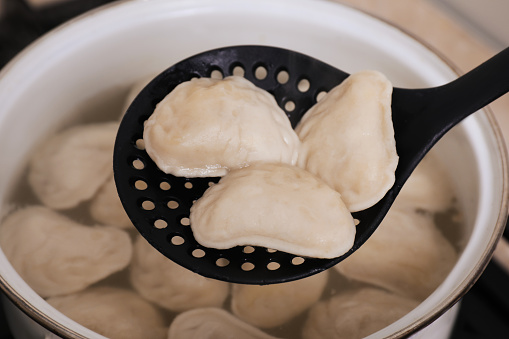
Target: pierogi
(428, 188)
(98, 307)
(205, 127)
(212, 323)
(106, 207)
(276, 206)
(407, 254)
(56, 255)
(170, 285)
(71, 165)
(355, 314)
(348, 139)
(269, 306)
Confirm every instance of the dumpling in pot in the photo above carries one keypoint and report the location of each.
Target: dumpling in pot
(348, 139)
(171, 286)
(71, 165)
(56, 255)
(407, 254)
(206, 127)
(269, 306)
(212, 323)
(107, 208)
(113, 312)
(355, 314)
(428, 188)
(276, 206)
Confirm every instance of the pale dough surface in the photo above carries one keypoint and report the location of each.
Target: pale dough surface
(270, 306)
(56, 255)
(205, 127)
(71, 165)
(212, 323)
(113, 312)
(170, 285)
(348, 139)
(276, 206)
(407, 254)
(354, 314)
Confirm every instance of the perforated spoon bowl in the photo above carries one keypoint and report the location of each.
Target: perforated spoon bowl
(158, 204)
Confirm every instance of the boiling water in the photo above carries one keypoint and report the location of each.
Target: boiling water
(107, 108)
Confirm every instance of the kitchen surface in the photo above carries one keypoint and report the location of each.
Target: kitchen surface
(466, 32)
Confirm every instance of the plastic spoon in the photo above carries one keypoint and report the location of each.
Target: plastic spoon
(158, 204)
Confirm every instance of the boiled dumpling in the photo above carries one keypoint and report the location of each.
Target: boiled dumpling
(71, 165)
(355, 314)
(407, 254)
(348, 139)
(206, 127)
(276, 206)
(107, 208)
(113, 312)
(428, 188)
(269, 306)
(212, 323)
(171, 286)
(56, 255)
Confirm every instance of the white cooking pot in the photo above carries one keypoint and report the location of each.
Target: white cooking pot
(100, 54)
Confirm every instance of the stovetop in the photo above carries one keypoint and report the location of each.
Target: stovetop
(484, 311)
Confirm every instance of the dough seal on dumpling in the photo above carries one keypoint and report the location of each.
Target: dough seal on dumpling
(206, 127)
(71, 165)
(212, 323)
(275, 206)
(170, 285)
(348, 139)
(355, 314)
(56, 255)
(269, 306)
(407, 255)
(113, 312)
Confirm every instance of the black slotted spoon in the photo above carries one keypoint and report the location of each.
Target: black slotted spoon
(158, 204)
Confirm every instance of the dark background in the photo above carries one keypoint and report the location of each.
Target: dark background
(484, 311)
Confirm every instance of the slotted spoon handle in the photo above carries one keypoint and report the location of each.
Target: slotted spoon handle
(422, 116)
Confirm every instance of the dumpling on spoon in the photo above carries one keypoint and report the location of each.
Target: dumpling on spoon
(56, 255)
(348, 139)
(276, 206)
(205, 127)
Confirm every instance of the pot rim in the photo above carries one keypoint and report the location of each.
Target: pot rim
(50, 324)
